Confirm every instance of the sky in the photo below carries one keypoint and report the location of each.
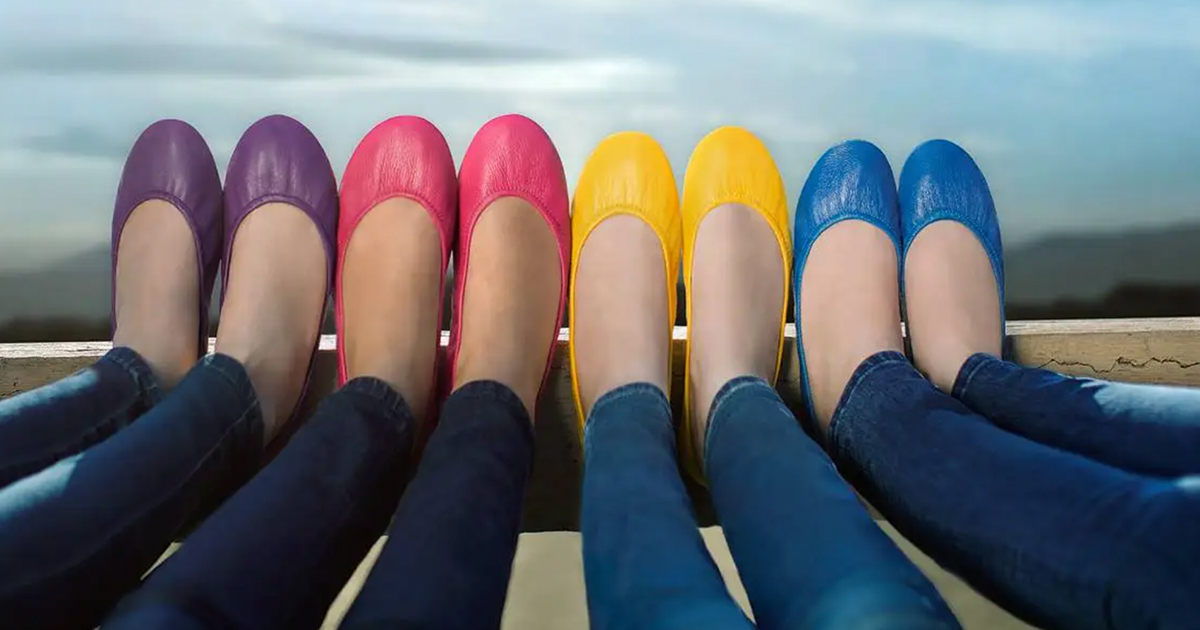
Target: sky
(1084, 114)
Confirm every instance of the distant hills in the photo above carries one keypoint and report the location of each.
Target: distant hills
(77, 287)
(1089, 266)
(1075, 270)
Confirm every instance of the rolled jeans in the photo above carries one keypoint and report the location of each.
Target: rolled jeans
(78, 533)
(278, 552)
(809, 554)
(1030, 486)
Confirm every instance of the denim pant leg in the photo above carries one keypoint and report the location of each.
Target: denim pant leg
(79, 534)
(1060, 540)
(644, 562)
(44, 425)
(450, 548)
(278, 552)
(809, 553)
(1148, 429)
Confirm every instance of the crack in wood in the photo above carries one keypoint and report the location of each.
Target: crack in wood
(1120, 362)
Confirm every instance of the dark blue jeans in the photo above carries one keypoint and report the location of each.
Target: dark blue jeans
(78, 534)
(808, 552)
(1148, 429)
(1061, 540)
(277, 553)
(42, 426)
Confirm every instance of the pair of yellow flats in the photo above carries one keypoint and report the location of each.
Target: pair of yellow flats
(629, 174)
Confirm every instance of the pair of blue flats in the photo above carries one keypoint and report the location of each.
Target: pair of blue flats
(853, 181)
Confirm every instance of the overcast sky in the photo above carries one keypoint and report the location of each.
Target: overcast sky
(1085, 114)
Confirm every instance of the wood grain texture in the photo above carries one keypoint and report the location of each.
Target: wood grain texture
(1163, 351)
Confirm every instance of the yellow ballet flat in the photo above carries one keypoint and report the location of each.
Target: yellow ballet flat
(628, 173)
(730, 165)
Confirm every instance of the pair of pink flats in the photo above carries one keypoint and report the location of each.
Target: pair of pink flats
(406, 156)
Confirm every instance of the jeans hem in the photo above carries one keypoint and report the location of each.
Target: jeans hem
(731, 387)
(864, 370)
(966, 374)
(132, 363)
(234, 373)
(613, 396)
(381, 392)
(499, 393)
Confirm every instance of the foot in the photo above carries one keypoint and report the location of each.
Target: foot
(952, 299)
(168, 206)
(622, 329)
(627, 238)
(274, 305)
(158, 291)
(849, 308)
(849, 295)
(737, 272)
(391, 291)
(279, 260)
(510, 300)
(393, 256)
(512, 258)
(734, 255)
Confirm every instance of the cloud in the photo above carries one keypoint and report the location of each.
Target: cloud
(77, 142)
(165, 60)
(312, 60)
(285, 54)
(1068, 28)
(417, 49)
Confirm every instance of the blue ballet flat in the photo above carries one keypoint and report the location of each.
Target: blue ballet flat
(852, 181)
(940, 182)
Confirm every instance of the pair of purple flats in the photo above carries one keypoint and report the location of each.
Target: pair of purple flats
(277, 160)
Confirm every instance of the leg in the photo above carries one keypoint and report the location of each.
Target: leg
(953, 281)
(277, 553)
(644, 562)
(1058, 539)
(450, 548)
(1148, 429)
(165, 251)
(808, 552)
(451, 545)
(78, 534)
(75, 536)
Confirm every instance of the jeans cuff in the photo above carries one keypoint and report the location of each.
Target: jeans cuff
(738, 386)
(493, 392)
(234, 373)
(861, 373)
(968, 371)
(379, 391)
(132, 363)
(614, 396)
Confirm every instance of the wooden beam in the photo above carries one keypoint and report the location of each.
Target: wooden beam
(1133, 350)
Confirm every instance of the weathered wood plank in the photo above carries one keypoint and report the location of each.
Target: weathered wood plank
(1133, 350)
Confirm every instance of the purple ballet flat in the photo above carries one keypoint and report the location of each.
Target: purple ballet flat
(278, 160)
(171, 162)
